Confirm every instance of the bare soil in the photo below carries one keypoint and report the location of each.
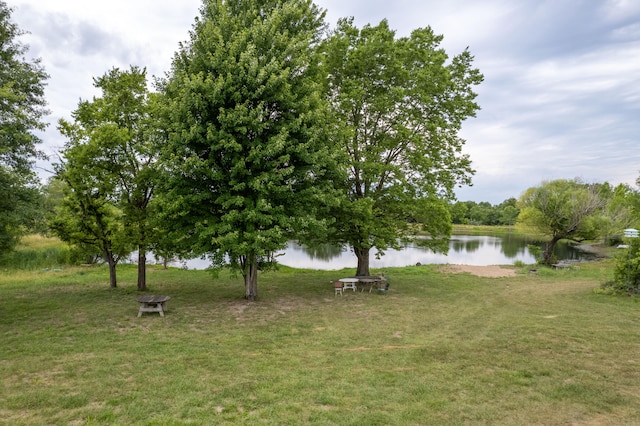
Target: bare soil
(490, 271)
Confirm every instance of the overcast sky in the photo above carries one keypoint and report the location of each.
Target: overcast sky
(561, 96)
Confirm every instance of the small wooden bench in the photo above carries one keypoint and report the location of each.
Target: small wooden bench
(152, 304)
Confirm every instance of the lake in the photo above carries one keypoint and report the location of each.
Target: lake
(463, 249)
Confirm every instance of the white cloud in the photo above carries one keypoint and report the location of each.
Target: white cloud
(561, 96)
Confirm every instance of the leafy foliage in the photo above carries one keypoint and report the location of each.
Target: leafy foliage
(248, 164)
(110, 169)
(22, 109)
(22, 102)
(86, 216)
(398, 107)
(623, 211)
(19, 208)
(620, 211)
(483, 213)
(626, 273)
(561, 209)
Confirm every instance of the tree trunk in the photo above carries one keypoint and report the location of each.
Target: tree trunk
(112, 270)
(363, 261)
(250, 274)
(548, 250)
(142, 268)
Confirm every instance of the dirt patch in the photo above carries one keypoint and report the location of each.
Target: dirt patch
(264, 311)
(490, 271)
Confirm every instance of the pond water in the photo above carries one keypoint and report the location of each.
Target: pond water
(463, 249)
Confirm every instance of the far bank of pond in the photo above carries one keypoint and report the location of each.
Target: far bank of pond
(477, 250)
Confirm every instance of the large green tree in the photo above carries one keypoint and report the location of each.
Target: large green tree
(561, 209)
(248, 163)
(119, 131)
(398, 104)
(508, 212)
(22, 110)
(87, 215)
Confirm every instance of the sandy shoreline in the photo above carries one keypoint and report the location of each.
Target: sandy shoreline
(497, 271)
(491, 271)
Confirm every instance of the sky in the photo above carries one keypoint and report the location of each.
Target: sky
(560, 97)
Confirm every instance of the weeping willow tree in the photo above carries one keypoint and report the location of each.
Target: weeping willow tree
(561, 209)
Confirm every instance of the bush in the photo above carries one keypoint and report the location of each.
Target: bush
(626, 275)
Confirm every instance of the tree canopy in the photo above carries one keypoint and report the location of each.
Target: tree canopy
(398, 106)
(22, 101)
(22, 110)
(248, 166)
(110, 168)
(483, 213)
(561, 209)
(87, 215)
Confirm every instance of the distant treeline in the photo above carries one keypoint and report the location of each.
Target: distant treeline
(484, 213)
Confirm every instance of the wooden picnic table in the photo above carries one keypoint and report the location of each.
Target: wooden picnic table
(152, 303)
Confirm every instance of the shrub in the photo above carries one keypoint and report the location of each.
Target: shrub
(626, 275)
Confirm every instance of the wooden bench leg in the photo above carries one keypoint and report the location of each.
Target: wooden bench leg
(151, 307)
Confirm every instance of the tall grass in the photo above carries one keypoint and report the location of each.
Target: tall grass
(39, 252)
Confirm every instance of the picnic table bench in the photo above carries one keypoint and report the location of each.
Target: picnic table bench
(561, 266)
(152, 304)
(364, 282)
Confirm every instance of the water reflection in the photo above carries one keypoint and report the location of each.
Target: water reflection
(463, 244)
(463, 249)
(319, 252)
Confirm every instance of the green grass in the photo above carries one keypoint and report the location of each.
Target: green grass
(438, 349)
(484, 229)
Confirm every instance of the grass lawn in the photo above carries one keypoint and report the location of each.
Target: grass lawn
(440, 348)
